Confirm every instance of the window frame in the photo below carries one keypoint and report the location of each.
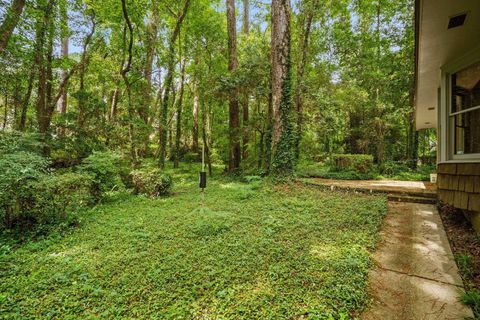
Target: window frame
(446, 125)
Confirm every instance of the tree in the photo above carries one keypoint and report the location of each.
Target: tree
(234, 121)
(64, 33)
(12, 17)
(168, 84)
(126, 69)
(283, 130)
(245, 111)
(306, 19)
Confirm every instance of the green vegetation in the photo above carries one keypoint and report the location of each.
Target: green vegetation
(248, 250)
(472, 299)
(160, 78)
(104, 170)
(362, 163)
(390, 170)
(151, 182)
(468, 270)
(148, 83)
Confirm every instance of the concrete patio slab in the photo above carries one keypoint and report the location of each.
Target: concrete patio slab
(415, 275)
(419, 188)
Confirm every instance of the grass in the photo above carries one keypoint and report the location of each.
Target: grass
(248, 250)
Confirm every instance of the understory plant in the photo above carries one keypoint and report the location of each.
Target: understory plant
(104, 169)
(151, 182)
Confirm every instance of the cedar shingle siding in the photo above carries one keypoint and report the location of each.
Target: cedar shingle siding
(459, 185)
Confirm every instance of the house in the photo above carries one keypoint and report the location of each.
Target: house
(448, 95)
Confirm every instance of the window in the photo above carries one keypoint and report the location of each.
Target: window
(464, 115)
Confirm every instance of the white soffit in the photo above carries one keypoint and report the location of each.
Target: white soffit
(439, 45)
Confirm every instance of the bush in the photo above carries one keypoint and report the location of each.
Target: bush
(192, 157)
(362, 163)
(16, 171)
(104, 170)
(29, 195)
(152, 182)
(402, 171)
(12, 142)
(55, 198)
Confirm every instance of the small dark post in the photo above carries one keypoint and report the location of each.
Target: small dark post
(203, 180)
(203, 174)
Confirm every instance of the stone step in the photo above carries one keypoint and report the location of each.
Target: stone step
(411, 199)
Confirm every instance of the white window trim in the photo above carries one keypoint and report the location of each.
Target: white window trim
(445, 128)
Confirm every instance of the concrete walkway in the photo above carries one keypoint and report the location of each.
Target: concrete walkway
(415, 275)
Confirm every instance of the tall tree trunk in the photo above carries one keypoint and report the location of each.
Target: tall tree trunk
(83, 65)
(246, 128)
(63, 102)
(5, 113)
(116, 91)
(12, 17)
(379, 123)
(306, 26)
(41, 33)
(168, 83)
(268, 134)
(178, 133)
(413, 135)
(150, 41)
(283, 135)
(205, 139)
(26, 100)
(234, 121)
(124, 73)
(195, 122)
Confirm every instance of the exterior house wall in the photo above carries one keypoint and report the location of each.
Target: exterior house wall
(459, 185)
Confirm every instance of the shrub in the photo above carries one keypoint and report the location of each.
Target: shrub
(63, 158)
(104, 170)
(55, 198)
(151, 182)
(29, 195)
(192, 157)
(392, 168)
(16, 171)
(12, 142)
(362, 163)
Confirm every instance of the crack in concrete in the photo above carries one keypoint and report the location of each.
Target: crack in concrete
(421, 277)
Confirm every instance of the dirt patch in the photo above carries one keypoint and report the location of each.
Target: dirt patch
(464, 242)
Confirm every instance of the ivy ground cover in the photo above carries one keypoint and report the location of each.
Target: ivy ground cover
(247, 251)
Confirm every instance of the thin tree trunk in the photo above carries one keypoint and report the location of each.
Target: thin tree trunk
(5, 113)
(195, 123)
(205, 139)
(151, 39)
(124, 73)
(178, 133)
(246, 128)
(62, 102)
(306, 27)
(12, 17)
(26, 100)
(234, 121)
(116, 91)
(168, 84)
